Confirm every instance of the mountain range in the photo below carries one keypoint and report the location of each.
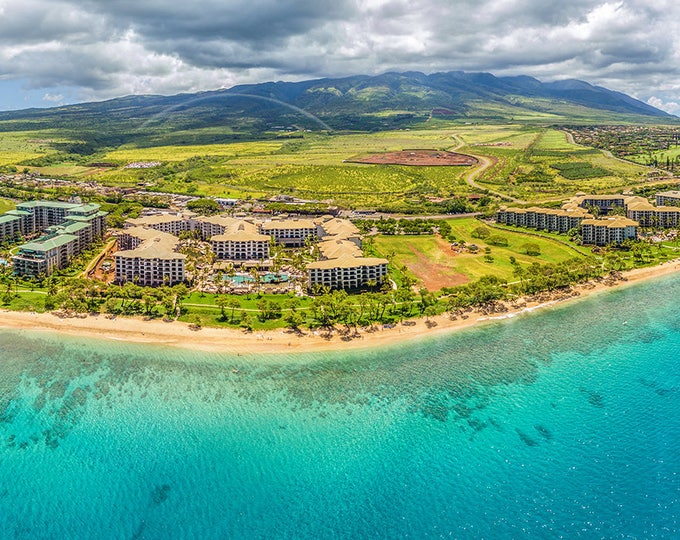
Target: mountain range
(387, 101)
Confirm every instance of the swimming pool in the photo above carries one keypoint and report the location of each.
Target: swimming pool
(266, 278)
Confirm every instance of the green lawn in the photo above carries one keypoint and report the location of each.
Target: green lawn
(660, 155)
(204, 306)
(424, 255)
(27, 301)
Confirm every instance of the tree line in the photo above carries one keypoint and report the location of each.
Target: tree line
(327, 309)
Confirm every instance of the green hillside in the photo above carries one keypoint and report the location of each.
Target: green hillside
(379, 103)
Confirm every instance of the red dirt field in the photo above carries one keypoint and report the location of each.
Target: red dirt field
(422, 158)
(433, 275)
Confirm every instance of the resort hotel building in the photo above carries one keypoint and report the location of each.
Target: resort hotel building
(291, 232)
(11, 227)
(342, 264)
(68, 229)
(241, 242)
(149, 258)
(649, 215)
(153, 260)
(665, 214)
(167, 223)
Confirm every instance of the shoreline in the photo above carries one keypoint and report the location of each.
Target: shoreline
(283, 341)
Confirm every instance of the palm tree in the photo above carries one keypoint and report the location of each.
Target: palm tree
(247, 322)
(233, 303)
(149, 304)
(222, 301)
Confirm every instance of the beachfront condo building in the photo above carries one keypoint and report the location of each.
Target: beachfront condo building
(575, 214)
(343, 266)
(613, 230)
(148, 257)
(69, 229)
(648, 215)
(209, 226)
(331, 228)
(10, 228)
(347, 272)
(232, 239)
(33, 217)
(177, 223)
(547, 219)
(45, 255)
(603, 203)
(153, 260)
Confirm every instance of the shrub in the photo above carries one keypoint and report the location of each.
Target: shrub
(532, 249)
(481, 233)
(497, 240)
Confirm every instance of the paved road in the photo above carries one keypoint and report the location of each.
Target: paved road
(485, 163)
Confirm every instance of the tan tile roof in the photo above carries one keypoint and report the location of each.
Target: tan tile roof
(615, 222)
(641, 205)
(347, 261)
(223, 221)
(240, 236)
(289, 224)
(332, 249)
(155, 245)
(155, 219)
(341, 228)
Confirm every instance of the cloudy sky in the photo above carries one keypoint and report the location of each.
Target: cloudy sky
(65, 51)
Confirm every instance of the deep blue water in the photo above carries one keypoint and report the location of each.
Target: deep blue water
(559, 424)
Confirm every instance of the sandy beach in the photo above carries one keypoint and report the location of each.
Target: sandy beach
(233, 341)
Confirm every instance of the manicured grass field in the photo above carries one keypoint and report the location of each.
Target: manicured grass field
(432, 261)
(27, 301)
(672, 154)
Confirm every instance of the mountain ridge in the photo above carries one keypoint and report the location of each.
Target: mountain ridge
(360, 102)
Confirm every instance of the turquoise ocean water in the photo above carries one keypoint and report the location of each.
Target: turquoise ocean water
(559, 424)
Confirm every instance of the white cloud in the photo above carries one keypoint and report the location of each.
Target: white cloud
(53, 98)
(107, 48)
(672, 107)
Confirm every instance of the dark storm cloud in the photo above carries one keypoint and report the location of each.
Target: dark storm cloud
(113, 47)
(256, 22)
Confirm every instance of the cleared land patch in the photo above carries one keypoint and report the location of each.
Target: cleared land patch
(429, 158)
(432, 261)
(428, 258)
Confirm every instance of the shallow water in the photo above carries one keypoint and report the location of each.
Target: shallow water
(564, 423)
